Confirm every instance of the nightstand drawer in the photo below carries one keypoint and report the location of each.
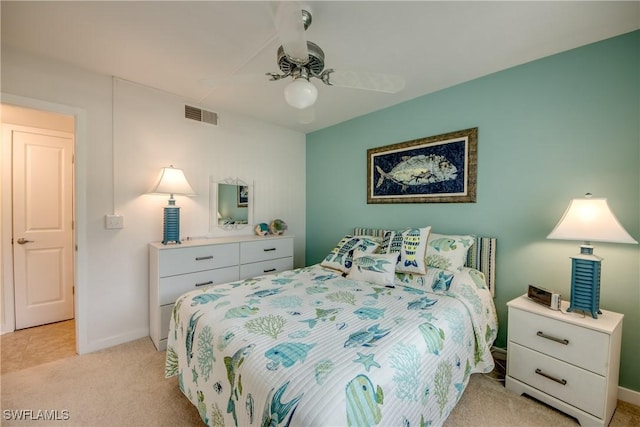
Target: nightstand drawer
(197, 258)
(584, 390)
(265, 267)
(262, 250)
(172, 287)
(583, 347)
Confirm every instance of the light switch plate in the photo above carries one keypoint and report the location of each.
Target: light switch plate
(114, 221)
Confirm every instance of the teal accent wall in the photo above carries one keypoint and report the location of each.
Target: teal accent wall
(548, 131)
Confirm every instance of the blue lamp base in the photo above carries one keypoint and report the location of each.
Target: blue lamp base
(171, 223)
(585, 282)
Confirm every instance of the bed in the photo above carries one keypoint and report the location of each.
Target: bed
(363, 338)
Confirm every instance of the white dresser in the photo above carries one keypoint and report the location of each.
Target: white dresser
(176, 269)
(566, 360)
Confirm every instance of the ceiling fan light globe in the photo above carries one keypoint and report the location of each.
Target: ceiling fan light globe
(300, 93)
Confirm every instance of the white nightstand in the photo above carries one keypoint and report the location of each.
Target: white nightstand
(566, 360)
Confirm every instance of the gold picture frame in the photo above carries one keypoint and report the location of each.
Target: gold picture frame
(434, 169)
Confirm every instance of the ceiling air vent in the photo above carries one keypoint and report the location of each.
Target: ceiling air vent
(200, 115)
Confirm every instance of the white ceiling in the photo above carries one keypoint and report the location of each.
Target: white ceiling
(175, 45)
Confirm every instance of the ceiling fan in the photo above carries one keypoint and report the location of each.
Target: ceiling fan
(303, 60)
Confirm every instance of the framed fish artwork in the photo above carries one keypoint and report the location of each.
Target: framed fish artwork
(435, 169)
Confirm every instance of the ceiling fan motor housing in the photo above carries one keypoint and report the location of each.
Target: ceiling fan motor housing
(314, 64)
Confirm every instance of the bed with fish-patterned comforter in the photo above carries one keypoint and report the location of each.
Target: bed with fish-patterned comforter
(309, 347)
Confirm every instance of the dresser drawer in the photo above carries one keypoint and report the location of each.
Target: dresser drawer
(197, 258)
(262, 250)
(583, 347)
(173, 286)
(584, 390)
(265, 267)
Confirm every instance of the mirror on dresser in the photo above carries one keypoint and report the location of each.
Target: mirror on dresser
(231, 204)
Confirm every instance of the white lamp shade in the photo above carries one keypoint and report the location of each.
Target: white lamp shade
(590, 220)
(300, 93)
(173, 181)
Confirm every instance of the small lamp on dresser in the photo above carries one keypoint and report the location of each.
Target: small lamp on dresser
(172, 181)
(589, 220)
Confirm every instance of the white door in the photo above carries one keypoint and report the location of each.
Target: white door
(42, 225)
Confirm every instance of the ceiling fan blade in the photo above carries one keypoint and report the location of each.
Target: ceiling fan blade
(379, 82)
(306, 115)
(287, 18)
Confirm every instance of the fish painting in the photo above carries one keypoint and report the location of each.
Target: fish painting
(363, 402)
(344, 249)
(265, 293)
(202, 407)
(323, 369)
(411, 242)
(322, 315)
(419, 170)
(370, 263)
(421, 303)
(316, 290)
(366, 337)
(379, 291)
(442, 281)
(287, 354)
(443, 244)
(371, 313)
(242, 311)
(191, 330)
(205, 298)
(277, 413)
(233, 365)
(478, 278)
(324, 277)
(281, 281)
(433, 337)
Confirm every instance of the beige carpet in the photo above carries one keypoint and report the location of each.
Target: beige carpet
(125, 386)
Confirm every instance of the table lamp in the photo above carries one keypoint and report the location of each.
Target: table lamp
(172, 181)
(589, 220)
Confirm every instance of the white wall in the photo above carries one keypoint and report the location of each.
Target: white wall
(113, 175)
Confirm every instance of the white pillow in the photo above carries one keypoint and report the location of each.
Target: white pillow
(341, 257)
(448, 251)
(411, 244)
(379, 269)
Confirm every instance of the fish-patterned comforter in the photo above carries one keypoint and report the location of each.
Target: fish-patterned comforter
(309, 347)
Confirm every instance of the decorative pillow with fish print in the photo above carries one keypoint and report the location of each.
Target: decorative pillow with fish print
(379, 269)
(447, 251)
(411, 245)
(341, 257)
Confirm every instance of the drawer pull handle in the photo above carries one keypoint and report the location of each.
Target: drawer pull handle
(269, 249)
(562, 341)
(539, 372)
(202, 258)
(269, 270)
(210, 282)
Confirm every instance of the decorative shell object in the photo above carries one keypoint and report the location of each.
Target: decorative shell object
(278, 227)
(262, 229)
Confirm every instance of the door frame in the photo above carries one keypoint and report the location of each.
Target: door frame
(7, 307)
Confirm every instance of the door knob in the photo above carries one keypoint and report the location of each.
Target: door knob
(22, 241)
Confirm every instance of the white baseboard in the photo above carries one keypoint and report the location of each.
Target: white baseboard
(113, 341)
(629, 396)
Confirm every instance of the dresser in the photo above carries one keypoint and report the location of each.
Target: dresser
(176, 269)
(566, 360)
